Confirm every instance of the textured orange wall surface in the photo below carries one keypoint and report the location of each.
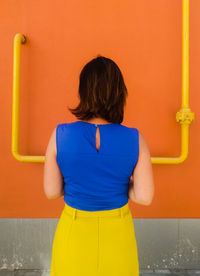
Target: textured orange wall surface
(144, 39)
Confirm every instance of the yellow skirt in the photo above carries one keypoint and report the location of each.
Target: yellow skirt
(95, 243)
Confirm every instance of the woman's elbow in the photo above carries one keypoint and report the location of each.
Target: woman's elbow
(54, 196)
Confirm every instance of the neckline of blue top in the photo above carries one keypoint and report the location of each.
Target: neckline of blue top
(97, 124)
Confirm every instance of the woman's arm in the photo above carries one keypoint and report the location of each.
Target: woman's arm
(142, 177)
(131, 193)
(53, 178)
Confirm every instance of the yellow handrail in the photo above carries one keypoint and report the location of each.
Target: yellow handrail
(184, 116)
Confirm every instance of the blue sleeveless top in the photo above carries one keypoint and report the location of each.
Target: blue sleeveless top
(96, 180)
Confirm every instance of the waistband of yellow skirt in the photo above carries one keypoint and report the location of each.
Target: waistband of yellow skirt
(118, 212)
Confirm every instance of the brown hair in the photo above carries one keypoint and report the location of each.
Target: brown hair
(102, 91)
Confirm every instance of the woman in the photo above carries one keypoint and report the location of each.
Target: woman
(94, 163)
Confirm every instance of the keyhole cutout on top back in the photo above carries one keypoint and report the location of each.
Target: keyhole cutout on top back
(97, 138)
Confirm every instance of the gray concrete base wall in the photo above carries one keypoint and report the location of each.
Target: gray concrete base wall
(163, 244)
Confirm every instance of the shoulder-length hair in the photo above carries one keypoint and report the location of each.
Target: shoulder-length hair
(102, 91)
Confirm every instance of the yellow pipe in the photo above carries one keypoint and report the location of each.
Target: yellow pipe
(18, 40)
(184, 116)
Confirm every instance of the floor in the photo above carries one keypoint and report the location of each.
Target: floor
(170, 272)
(166, 272)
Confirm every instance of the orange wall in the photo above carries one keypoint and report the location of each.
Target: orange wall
(144, 39)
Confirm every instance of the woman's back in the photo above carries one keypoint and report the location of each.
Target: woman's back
(96, 161)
